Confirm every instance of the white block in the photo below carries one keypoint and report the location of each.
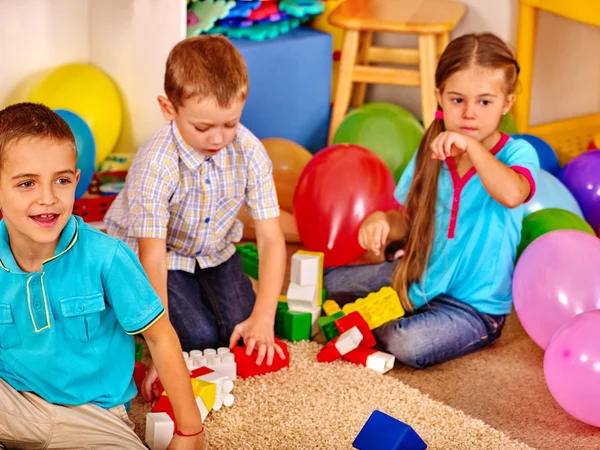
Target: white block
(189, 362)
(199, 361)
(227, 386)
(228, 366)
(349, 340)
(228, 400)
(305, 269)
(202, 408)
(185, 355)
(380, 362)
(223, 351)
(218, 404)
(304, 294)
(212, 362)
(209, 352)
(195, 353)
(159, 430)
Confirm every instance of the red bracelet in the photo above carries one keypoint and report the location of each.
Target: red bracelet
(180, 433)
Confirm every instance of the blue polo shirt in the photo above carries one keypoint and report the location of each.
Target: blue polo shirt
(476, 238)
(66, 331)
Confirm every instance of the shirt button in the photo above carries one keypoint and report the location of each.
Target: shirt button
(207, 181)
(37, 305)
(80, 307)
(198, 252)
(207, 220)
(208, 159)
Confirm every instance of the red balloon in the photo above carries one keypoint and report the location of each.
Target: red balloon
(336, 191)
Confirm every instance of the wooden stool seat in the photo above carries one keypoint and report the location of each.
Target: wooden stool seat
(431, 20)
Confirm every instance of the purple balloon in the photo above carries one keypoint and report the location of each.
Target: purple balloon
(572, 367)
(556, 278)
(582, 177)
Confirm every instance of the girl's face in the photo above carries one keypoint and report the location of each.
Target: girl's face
(473, 101)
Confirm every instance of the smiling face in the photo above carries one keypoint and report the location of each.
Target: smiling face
(474, 100)
(38, 177)
(205, 125)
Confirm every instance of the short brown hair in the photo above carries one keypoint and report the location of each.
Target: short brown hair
(205, 66)
(31, 120)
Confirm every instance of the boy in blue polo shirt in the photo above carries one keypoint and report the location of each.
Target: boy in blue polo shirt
(71, 300)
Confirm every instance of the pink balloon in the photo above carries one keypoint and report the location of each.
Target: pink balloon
(572, 367)
(556, 278)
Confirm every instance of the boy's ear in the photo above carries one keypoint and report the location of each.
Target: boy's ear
(167, 108)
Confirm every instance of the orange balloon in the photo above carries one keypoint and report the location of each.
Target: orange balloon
(286, 220)
(289, 159)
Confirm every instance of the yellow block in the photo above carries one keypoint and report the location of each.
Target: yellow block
(331, 307)
(321, 256)
(205, 390)
(377, 308)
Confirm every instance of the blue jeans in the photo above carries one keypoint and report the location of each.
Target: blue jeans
(206, 305)
(443, 329)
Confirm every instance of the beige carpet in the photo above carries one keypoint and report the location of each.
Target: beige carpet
(323, 406)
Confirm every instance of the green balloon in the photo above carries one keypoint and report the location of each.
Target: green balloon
(550, 219)
(388, 107)
(393, 136)
(508, 124)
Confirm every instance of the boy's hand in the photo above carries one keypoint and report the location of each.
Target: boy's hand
(187, 443)
(149, 386)
(257, 333)
(374, 231)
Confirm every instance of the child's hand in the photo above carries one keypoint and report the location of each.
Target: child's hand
(374, 231)
(187, 443)
(448, 144)
(257, 333)
(149, 386)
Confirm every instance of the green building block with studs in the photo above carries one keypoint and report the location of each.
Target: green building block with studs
(139, 350)
(292, 325)
(249, 254)
(327, 325)
(282, 307)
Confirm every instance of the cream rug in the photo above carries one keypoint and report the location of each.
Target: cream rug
(323, 406)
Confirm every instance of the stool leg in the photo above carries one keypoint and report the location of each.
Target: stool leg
(344, 84)
(525, 53)
(442, 43)
(360, 89)
(427, 63)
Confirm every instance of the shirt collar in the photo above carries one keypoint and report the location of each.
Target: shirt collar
(192, 158)
(67, 239)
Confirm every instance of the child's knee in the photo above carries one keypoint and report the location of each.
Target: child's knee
(405, 344)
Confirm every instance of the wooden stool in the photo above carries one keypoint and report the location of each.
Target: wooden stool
(431, 20)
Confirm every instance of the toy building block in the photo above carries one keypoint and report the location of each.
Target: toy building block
(249, 254)
(247, 367)
(377, 308)
(282, 308)
(383, 432)
(220, 360)
(139, 373)
(321, 257)
(303, 297)
(296, 325)
(323, 295)
(370, 358)
(330, 307)
(327, 325)
(339, 346)
(224, 386)
(354, 319)
(139, 350)
(305, 269)
(159, 430)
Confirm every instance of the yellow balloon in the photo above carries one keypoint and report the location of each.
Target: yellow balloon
(88, 92)
(289, 159)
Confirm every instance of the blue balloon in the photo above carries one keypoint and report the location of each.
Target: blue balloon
(546, 155)
(86, 148)
(551, 193)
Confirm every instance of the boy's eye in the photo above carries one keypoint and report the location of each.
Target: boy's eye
(26, 184)
(63, 181)
(233, 125)
(201, 130)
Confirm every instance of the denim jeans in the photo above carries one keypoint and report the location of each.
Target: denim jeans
(443, 329)
(206, 305)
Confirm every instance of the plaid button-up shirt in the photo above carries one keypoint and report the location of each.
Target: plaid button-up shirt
(175, 193)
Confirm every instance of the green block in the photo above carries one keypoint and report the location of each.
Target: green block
(282, 308)
(296, 325)
(249, 254)
(327, 325)
(139, 349)
(323, 296)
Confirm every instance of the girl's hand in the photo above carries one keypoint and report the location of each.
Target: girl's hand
(373, 232)
(449, 144)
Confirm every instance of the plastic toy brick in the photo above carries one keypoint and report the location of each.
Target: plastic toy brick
(370, 358)
(249, 254)
(321, 256)
(139, 373)
(330, 307)
(194, 374)
(206, 391)
(247, 367)
(339, 346)
(383, 432)
(139, 350)
(327, 325)
(354, 319)
(282, 308)
(163, 404)
(297, 325)
(323, 295)
(159, 430)
(378, 307)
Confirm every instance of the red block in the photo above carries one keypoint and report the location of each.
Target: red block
(359, 356)
(355, 319)
(246, 365)
(329, 352)
(139, 373)
(163, 404)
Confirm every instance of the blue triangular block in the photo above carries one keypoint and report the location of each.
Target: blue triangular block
(383, 432)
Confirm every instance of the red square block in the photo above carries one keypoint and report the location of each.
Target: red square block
(355, 319)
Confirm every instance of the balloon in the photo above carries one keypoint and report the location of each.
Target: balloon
(555, 279)
(288, 160)
(396, 109)
(551, 193)
(546, 155)
(86, 149)
(572, 367)
(337, 190)
(582, 177)
(391, 134)
(89, 93)
(508, 125)
(546, 220)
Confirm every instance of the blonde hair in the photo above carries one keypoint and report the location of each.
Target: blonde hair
(481, 49)
(206, 66)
